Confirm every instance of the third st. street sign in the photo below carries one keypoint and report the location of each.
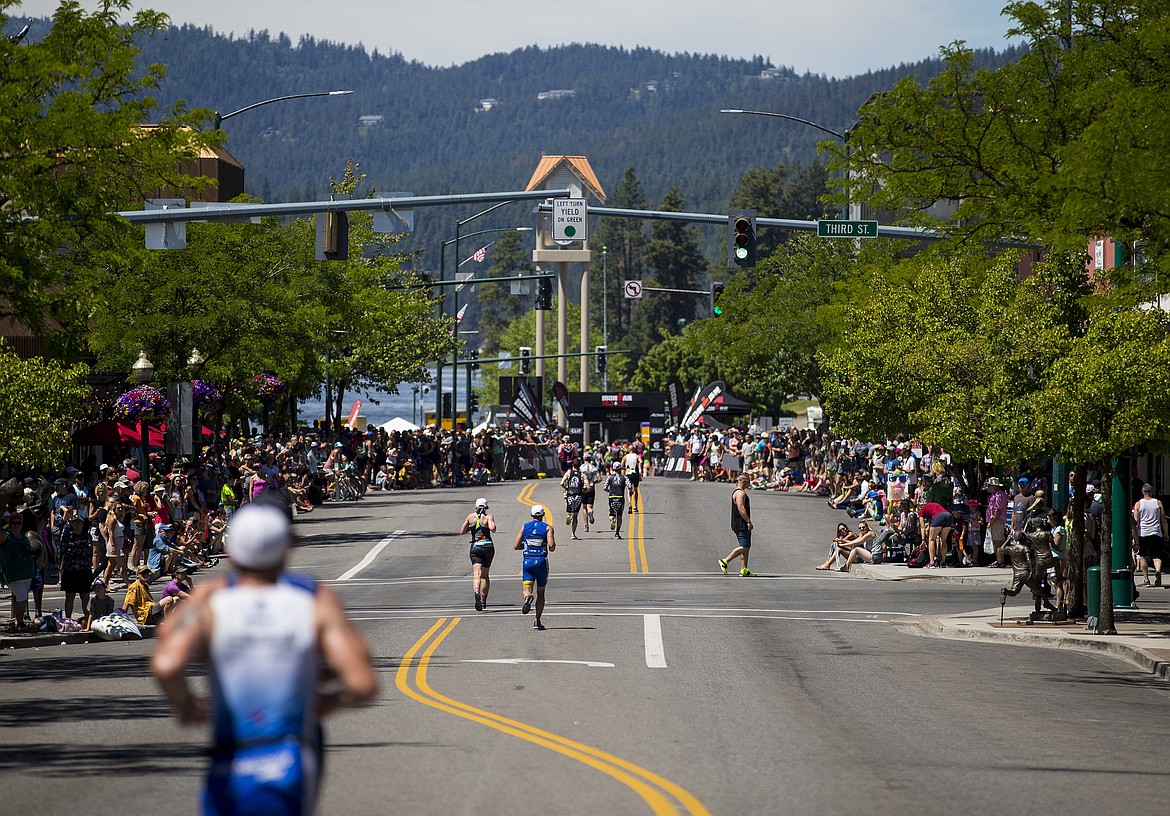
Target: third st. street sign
(847, 229)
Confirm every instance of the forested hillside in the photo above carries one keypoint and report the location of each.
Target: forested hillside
(655, 112)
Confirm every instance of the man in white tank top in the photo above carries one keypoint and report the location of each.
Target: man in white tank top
(1150, 519)
(263, 632)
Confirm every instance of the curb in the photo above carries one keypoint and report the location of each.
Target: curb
(64, 638)
(934, 576)
(1144, 660)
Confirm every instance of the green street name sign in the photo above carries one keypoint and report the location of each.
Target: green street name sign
(847, 229)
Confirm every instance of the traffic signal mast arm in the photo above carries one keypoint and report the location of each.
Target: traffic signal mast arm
(484, 360)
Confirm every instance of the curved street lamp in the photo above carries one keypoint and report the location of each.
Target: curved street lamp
(842, 136)
(219, 118)
(143, 373)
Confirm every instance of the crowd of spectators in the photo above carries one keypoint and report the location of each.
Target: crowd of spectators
(104, 529)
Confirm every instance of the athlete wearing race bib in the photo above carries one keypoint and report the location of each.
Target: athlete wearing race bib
(632, 465)
(589, 495)
(537, 540)
(480, 524)
(264, 633)
(615, 486)
(574, 485)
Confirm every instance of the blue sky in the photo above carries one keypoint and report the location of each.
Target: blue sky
(833, 37)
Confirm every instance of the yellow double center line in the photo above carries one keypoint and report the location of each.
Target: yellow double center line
(637, 538)
(635, 534)
(659, 793)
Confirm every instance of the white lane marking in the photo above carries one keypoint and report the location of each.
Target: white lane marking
(370, 556)
(655, 651)
(514, 660)
(431, 613)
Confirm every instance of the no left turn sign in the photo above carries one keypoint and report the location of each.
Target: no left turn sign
(633, 290)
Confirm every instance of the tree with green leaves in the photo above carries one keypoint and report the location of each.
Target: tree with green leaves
(674, 358)
(72, 110)
(498, 306)
(1108, 394)
(779, 317)
(522, 332)
(39, 401)
(623, 240)
(673, 261)
(1061, 144)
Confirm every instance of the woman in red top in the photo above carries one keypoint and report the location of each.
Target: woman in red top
(936, 529)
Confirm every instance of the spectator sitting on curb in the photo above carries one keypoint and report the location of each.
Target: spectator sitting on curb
(100, 603)
(844, 539)
(871, 551)
(179, 589)
(139, 602)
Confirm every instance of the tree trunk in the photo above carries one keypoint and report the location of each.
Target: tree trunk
(1105, 625)
(1075, 525)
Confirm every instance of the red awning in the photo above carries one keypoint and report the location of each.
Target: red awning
(112, 432)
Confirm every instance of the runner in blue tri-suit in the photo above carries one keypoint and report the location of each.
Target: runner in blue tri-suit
(537, 540)
(263, 633)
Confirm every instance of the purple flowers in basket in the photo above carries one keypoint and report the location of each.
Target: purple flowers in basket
(206, 394)
(142, 403)
(268, 388)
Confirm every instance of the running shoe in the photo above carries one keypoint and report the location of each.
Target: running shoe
(617, 535)
(586, 527)
(537, 625)
(612, 523)
(526, 607)
(574, 537)
(746, 573)
(590, 516)
(568, 519)
(631, 510)
(723, 566)
(478, 603)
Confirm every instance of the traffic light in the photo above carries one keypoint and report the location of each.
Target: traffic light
(473, 358)
(716, 292)
(332, 236)
(472, 404)
(544, 295)
(447, 405)
(741, 238)
(525, 361)
(599, 361)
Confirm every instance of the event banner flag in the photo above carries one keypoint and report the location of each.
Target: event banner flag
(674, 398)
(703, 397)
(524, 405)
(561, 395)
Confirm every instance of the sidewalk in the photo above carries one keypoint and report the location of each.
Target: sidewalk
(1143, 634)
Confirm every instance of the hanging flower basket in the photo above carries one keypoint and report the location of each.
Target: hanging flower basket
(206, 394)
(268, 388)
(142, 404)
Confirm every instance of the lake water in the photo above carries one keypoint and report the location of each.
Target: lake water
(379, 407)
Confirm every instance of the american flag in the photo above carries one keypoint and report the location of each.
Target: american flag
(480, 256)
(459, 318)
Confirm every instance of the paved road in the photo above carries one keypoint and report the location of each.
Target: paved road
(661, 686)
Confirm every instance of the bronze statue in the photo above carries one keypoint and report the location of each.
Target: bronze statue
(1023, 575)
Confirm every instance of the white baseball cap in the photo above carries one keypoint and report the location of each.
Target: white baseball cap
(537, 510)
(481, 502)
(258, 537)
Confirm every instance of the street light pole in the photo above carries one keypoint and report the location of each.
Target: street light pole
(810, 123)
(220, 118)
(605, 312)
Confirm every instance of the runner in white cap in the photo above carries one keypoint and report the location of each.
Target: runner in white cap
(263, 633)
(537, 540)
(481, 524)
